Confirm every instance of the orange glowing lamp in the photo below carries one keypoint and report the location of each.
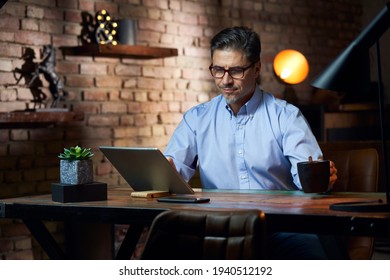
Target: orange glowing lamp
(291, 66)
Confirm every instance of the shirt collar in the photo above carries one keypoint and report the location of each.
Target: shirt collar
(251, 106)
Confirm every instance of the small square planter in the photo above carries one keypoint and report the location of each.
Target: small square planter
(76, 172)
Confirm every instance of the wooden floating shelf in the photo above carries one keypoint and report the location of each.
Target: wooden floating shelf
(35, 119)
(126, 51)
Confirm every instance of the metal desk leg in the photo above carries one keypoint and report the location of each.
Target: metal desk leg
(45, 239)
(130, 242)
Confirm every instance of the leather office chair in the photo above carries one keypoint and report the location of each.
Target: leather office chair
(357, 171)
(196, 235)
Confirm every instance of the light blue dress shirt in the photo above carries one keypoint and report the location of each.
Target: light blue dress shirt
(257, 149)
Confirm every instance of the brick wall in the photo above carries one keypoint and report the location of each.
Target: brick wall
(132, 102)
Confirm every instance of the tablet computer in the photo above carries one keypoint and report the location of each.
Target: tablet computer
(146, 169)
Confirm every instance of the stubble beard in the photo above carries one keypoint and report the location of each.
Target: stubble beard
(235, 99)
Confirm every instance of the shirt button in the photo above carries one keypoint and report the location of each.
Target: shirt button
(243, 176)
(240, 152)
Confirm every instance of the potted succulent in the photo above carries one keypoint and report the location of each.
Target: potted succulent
(76, 166)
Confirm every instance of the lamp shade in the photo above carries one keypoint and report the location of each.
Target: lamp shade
(291, 66)
(350, 71)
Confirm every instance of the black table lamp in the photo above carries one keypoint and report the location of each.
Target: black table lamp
(2, 2)
(350, 72)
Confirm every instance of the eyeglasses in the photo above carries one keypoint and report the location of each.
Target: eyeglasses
(234, 72)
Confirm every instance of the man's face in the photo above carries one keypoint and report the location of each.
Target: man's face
(238, 90)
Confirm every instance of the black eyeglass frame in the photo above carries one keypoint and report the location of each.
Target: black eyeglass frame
(243, 69)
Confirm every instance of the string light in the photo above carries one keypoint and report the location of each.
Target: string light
(105, 28)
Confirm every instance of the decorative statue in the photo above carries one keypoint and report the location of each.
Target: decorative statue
(30, 72)
(32, 81)
(47, 68)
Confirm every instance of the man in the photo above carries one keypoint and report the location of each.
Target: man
(245, 138)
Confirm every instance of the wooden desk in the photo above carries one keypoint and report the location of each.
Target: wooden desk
(291, 211)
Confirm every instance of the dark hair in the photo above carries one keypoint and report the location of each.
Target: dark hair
(238, 38)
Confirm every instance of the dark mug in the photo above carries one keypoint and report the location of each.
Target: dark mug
(314, 175)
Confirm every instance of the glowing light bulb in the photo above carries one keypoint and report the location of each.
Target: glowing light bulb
(285, 74)
(291, 66)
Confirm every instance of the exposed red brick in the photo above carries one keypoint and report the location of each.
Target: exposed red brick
(138, 102)
(8, 95)
(161, 4)
(30, 24)
(54, 14)
(148, 36)
(51, 26)
(114, 107)
(157, 72)
(103, 120)
(171, 118)
(20, 255)
(79, 81)
(153, 25)
(185, 18)
(95, 95)
(103, 168)
(111, 8)
(86, 5)
(125, 132)
(110, 81)
(4, 136)
(192, 7)
(93, 69)
(134, 107)
(175, 5)
(16, 229)
(127, 70)
(64, 40)
(150, 83)
(154, 107)
(6, 245)
(14, 9)
(32, 38)
(19, 134)
(44, 134)
(6, 37)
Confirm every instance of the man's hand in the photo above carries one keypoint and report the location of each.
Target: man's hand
(333, 174)
(170, 160)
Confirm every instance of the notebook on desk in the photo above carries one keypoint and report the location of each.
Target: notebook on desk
(147, 171)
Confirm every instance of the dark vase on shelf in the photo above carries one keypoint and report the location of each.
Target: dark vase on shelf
(126, 32)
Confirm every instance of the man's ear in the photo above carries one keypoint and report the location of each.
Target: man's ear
(258, 67)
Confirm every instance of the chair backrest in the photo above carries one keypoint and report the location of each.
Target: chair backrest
(196, 235)
(357, 170)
